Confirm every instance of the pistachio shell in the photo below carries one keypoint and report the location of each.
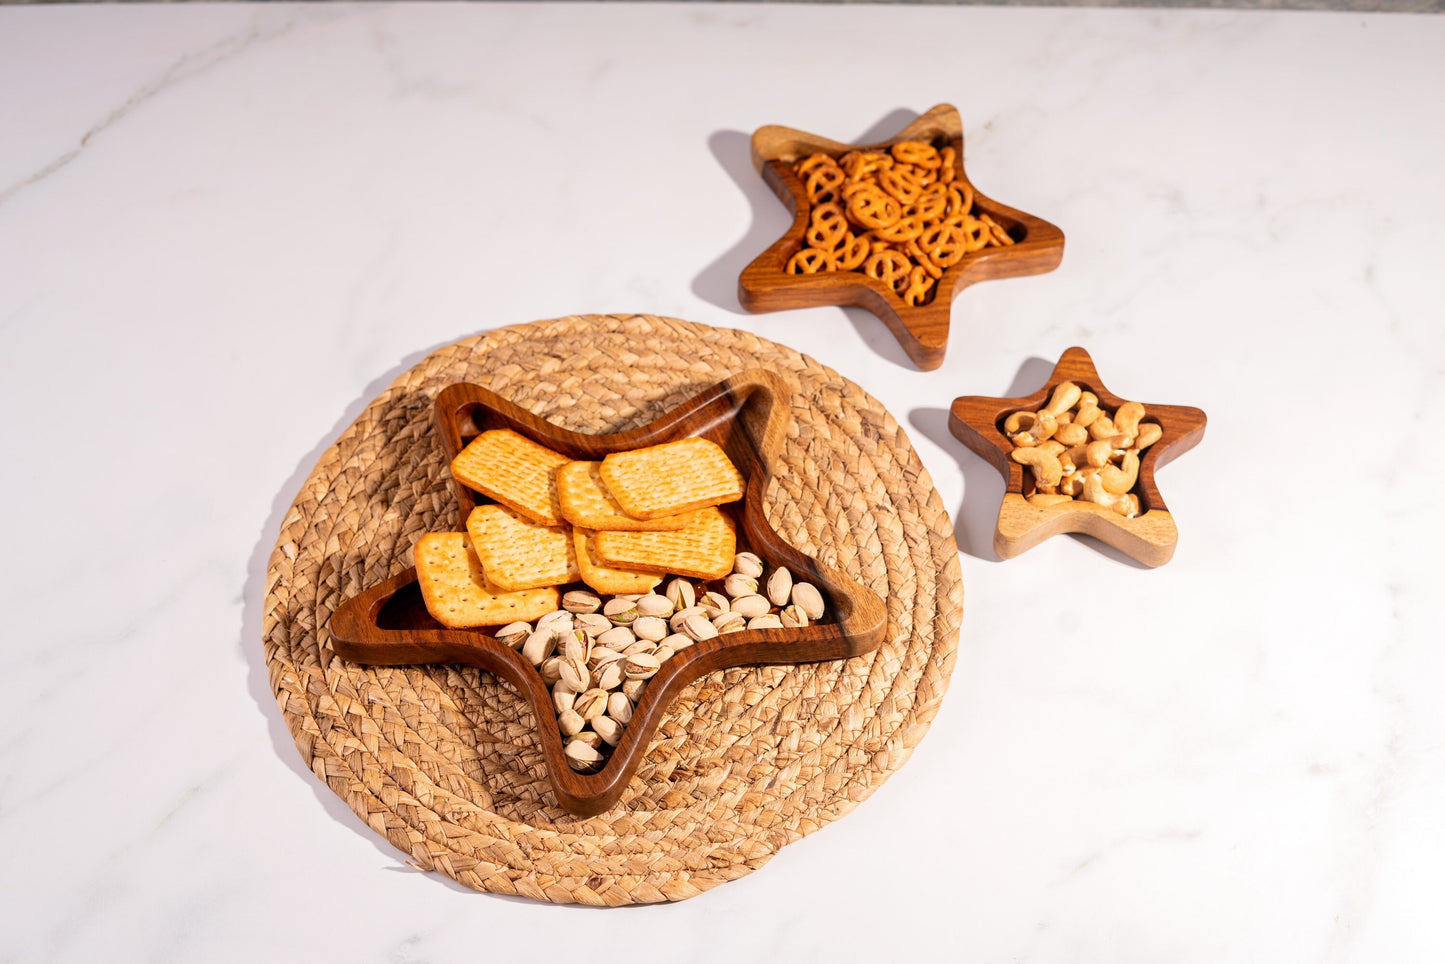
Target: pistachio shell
(807, 598)
(750, 607)
(581, 601)
(748, 564)
(780, 586)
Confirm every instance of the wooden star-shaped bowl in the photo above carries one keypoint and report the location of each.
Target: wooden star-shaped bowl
(747, 415)
(765, 284)
(1149, 537)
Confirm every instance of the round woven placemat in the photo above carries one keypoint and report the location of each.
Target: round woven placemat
(443, 761)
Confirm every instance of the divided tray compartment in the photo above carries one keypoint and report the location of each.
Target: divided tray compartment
(1149, 538)
(765, 284)
(747, 414)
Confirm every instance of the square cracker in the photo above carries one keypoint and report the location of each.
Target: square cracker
(704, 550)
(671, 478)
(587, 503)
(457, 593)
(604, 578)
(517, 553)
(515, 471)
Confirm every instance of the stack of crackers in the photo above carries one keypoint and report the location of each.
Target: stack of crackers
(619, 525)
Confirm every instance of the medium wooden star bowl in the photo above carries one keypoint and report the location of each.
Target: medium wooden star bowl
(766, 285)
(747, 414)
(1149, 537)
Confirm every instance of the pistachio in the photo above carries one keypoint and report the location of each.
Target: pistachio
(780, 584)
(766, 621)
(699, 627)
(569, 722)
(580, 601)
(591, 704)
(739, 584)
(654, 605)
(574, 673)
(680, 593)
(632, 689)
(601, 656)
(639, 646)
(642, 666)
(713, 603)
(620, 610)
(558, 621)
(538, 646)
(609, 729)
(551, 669)
(618, 638)
(682, 616)
(610, 676)
(594, 624)
(577, 645)
(663, 653)
(793, 617)
(563, 698)
(750, 607)
(514, 634)
(677, 642)
(807, 598)
(582, 757)
(650, 627)
(748, 564)
(587, 738)
(619, 707)
(730, 622)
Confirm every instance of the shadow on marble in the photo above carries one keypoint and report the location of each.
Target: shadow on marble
(983, 487)
(717, 284)
(254, 594)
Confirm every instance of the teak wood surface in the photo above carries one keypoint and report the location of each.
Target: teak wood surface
(1149, 537)
(747, 414)
(765, 284)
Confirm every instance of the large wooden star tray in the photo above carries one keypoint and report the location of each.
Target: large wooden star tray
(747, 414)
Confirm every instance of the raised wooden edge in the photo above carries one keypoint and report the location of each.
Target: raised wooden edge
(1150, 538)
(922, 331)
(748, 415)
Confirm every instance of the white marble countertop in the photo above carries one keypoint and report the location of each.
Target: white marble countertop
(224, 228)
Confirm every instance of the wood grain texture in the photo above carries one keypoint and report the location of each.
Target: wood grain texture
(747, 414)
(765, 285)
(1150, 537)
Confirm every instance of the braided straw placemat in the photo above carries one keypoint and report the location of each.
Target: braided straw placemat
(442, 760)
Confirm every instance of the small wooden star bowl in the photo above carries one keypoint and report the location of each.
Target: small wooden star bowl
(747, 414)
(766, 285)
(1149, 538)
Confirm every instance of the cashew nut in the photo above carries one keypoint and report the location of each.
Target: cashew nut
(1126, 505)
(1120, 479)
(1126, 419)
(1073, 484)
(1149, 433)
(1066, 396)
(1053, 446)
(1088, 409)
(1072, 433)
(1098, 453)
(1102, 427)
(1046, 468)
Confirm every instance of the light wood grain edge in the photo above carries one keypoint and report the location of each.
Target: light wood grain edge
(1149, 538)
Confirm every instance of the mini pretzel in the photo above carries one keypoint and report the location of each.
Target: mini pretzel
(859, 164)
(996, 230)
(916, 152)
(920, 286)
(943, 245)
(960, 199)
(810, 163)
(828, 226)
(809, 261)
(930, 205)
(823, 184)
(853, 251)
(904, 229)
(873, 209)
(946, 173)
(902, 183)
(890, 267)
(971, 231)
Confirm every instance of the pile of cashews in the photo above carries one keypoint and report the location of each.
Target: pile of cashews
(1076, 450)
